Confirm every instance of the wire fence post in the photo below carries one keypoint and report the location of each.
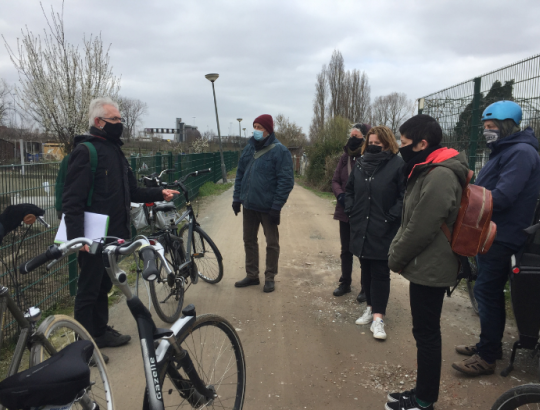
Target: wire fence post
(475, 123)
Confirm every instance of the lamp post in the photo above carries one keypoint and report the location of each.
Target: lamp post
(420, 105)
(239, 129)
(244, 132)
(213, 77)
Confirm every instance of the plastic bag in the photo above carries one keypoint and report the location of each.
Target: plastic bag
(138, 217)
(164, 218)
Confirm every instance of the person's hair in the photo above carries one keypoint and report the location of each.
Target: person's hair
(97, 109)
(422, 127)
(363, 128)
(386, 137)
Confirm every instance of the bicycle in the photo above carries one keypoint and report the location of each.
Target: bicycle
(468, 271)
(56, 334)
(519, 397)
(203, 261)
(199, 362)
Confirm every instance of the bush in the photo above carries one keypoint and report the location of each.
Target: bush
(325, 152)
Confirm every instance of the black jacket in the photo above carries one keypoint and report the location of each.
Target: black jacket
(115, 187)
(374, 206)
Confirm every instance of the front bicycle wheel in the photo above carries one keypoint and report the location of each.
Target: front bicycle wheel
(218, 357)
(167, 290)
(204, 253)
(520, 397)
(63, 330)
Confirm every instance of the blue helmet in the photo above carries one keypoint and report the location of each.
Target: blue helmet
(503, 110)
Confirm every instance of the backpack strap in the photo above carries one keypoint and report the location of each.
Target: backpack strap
(93, 167)
(263, 151)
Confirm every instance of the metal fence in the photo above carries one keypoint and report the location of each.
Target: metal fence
(35, 183)
(459, 108)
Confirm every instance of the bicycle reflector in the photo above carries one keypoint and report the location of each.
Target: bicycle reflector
(516, 270)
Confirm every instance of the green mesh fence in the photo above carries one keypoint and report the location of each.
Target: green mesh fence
(35, 183)
(459, 108)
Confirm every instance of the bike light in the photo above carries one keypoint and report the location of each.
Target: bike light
(516, 270)
(152, 241)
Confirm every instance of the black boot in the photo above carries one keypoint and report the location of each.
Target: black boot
(247, 281)
(361, 298)
(269, 286)
(342, 289)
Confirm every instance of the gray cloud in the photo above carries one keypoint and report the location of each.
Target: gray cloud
(268, 52)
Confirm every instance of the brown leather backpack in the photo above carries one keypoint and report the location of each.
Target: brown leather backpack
(474, 232)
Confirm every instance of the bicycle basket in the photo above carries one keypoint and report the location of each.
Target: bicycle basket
(138, 217)
(164, 217)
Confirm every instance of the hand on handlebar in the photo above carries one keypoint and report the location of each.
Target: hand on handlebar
(85, 248)
(168, 194)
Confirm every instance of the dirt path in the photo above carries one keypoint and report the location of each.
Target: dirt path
(302, 346)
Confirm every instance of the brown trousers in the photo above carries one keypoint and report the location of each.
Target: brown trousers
(252, 221)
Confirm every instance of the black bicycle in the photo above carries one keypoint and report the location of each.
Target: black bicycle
(187, 248)
(519, 397)
(468, 271)
(58, 340)
(198, 363)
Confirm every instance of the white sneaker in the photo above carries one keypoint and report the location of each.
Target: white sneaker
(366, 318)
(377, 327)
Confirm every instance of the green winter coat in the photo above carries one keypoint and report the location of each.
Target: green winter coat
(420, 250)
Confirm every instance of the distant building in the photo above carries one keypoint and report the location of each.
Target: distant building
(182, 131)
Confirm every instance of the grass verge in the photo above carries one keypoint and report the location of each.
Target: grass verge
(302, 181)
(211, 188)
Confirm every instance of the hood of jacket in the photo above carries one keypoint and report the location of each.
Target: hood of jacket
(526, 137)
(448, 158)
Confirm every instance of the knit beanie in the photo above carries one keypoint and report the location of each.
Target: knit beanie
(266, 121)
(364, 128)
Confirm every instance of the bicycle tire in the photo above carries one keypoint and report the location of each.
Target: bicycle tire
(167, 293)
(213, 345)
(205, 253)
(518, 396)
(62, 330)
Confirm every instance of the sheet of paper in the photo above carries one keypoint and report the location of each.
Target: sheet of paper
(95, 227)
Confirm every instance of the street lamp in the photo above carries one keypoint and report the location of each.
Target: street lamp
(213, 77)
(244, 132)
(239, 129)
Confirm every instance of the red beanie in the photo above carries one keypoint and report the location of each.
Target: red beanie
(266, 121)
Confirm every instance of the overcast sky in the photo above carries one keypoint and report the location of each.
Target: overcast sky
(268, 53)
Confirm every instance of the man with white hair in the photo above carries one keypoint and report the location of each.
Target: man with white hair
(114, 188)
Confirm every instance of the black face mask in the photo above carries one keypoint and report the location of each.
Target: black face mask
(373, 149)
(407, 152)
(354, 143)
(113, 130)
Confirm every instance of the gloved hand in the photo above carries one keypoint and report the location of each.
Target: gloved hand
(274, 216)
(236, 207)
(13, 215)
(341, 199)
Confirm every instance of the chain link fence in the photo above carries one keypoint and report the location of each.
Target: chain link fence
(459, 108)
(35, 183)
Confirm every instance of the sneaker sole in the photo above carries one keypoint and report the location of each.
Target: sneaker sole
(379, 337)
(245, 286)
(459, 369)
(364, 323)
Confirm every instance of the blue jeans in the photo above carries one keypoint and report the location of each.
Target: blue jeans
(493, 272)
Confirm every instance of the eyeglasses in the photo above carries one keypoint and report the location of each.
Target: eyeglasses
(122, 120)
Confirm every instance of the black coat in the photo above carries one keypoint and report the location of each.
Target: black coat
(374, 206)
(115, 187)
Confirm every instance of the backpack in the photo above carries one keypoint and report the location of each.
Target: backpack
(62, 172)
(474, 231)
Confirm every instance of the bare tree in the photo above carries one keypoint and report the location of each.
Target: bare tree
(58, 81)
(131, 110)
(319, 105)
(391, 110)
(337, 85)
(288, 133)
(359, 97)
(4, 104)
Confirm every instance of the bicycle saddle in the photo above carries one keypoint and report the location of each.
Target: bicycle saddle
(165, 207)
(56, 381)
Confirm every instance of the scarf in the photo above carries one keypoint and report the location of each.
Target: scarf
(370, 162)
(419, 158)
(260, 144)
(100, 133)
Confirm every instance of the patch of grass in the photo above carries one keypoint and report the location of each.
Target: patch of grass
(301, 180)
(211, 188)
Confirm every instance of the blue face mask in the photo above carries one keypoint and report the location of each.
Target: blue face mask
(258, 135)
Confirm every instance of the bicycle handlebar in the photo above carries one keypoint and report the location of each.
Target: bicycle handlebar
(148, 256)
(52, 253)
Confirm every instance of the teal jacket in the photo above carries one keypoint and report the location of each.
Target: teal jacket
(264, 183)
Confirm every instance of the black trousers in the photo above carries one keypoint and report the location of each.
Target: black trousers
(252, 221)
(426, 308)
(376, 283)
(346, 254)
(91, 301)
